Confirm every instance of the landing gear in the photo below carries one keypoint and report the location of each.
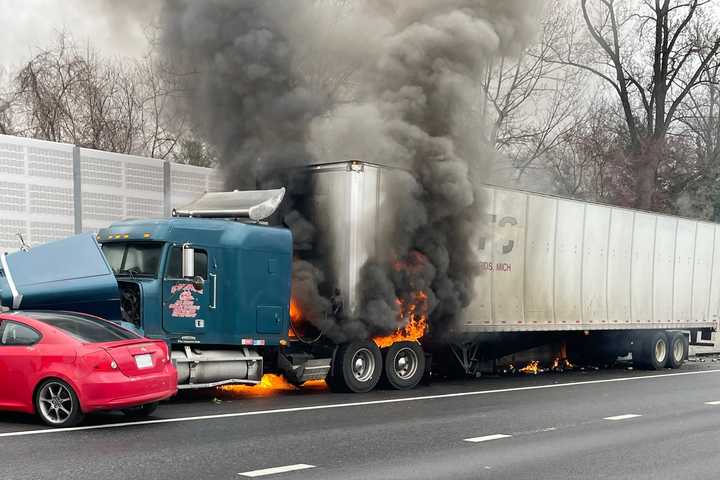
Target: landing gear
(356, 368)
(404, 365)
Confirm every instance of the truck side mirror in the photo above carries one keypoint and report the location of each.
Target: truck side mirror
(198, 283)
(188, 261)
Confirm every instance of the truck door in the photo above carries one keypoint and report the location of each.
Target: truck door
(186, 307)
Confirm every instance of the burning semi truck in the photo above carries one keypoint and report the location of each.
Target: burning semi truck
(573, 280)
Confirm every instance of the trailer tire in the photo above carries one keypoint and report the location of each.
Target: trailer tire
(357, 367)
(678, 349)
(655, 351)
(404, 365)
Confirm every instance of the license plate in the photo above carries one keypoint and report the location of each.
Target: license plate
(144, 360)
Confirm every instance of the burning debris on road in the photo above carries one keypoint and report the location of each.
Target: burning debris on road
(271, 384)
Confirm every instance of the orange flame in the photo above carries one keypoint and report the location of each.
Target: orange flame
(270, 384)
(532, 368)
(412, 309)
(295, 312)
(562, 364)
(415, 313)
(295, 316)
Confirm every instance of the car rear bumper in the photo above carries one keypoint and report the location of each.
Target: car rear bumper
(114, 390)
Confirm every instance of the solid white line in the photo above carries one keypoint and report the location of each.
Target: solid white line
(274, 470)
(487, 438)
(713, 403)
(355, 404)
(623, 417)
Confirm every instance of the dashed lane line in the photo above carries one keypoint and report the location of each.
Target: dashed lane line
(626, 416)
(276, 470)
(487, 438)
(356, 404)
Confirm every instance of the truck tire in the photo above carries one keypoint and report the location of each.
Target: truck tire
(655, 351)
(404, 365)
(678, 349)
(356, 368)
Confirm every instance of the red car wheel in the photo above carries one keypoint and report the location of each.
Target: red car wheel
(57, 404)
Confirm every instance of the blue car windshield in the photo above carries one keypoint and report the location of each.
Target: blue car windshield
(133, 259)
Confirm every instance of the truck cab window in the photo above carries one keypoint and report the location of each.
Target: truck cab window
(142, 259)
(174, 266)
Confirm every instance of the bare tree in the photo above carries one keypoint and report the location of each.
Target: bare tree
(73, 95)
(697, 184)
(652, 78)
(530, 102)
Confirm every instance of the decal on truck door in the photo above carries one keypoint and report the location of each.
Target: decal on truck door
(185, 306)
(185, 302)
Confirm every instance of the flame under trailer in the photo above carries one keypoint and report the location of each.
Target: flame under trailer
(560, 278)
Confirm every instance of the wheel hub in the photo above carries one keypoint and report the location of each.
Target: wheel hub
(405, 363)
(56, 404)
(363, 365)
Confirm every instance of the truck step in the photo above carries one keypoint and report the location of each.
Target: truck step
(299, 369)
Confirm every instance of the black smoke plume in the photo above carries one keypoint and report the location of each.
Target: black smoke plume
(276, 85)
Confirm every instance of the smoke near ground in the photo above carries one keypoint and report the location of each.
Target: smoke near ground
(285, 84)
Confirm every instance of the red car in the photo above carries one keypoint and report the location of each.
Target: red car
(63, 365)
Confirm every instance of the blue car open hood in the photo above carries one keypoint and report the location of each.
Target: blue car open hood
(70, 274)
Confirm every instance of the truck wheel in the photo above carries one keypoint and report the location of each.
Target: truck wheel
(357, 367)
(404, 365)
(655, 351)
(678, 349)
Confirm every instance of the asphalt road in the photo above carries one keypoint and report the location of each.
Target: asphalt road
(600, 424)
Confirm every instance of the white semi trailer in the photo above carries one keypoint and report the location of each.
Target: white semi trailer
(595, 281)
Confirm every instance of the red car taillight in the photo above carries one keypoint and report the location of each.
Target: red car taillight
(100, 361)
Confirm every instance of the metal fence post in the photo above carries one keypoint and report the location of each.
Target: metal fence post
(77, 190)
(167, 185)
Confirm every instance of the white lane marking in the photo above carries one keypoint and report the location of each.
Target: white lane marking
(275, 470)
(717, 402)
(354, 404)
(487, 438)
(623, 417)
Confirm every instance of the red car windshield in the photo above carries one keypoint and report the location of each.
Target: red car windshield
(85, 328)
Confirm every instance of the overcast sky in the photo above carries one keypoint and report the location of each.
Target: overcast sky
(26, 25)
(111, 26)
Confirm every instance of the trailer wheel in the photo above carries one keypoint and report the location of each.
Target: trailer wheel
(678, 349)
(655, 351)
(404, 365)
(357, 367)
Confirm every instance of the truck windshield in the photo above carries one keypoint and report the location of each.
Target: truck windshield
(133, 259)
